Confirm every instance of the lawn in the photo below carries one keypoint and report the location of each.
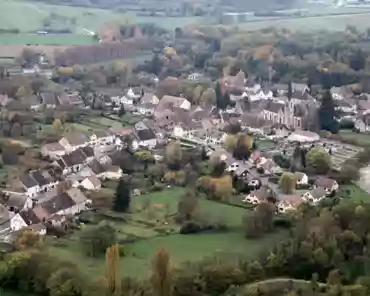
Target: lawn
(139, 253)
(182, 248)
(356, 193)
(363, 139)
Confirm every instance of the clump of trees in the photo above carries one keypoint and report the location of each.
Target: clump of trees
(287, 183)
(96, 239)
(319, 160)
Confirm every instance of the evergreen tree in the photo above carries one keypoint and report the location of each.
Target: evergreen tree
(327, 113)
(219, 96)
(226, 100)
(121, 110)
(122, 197)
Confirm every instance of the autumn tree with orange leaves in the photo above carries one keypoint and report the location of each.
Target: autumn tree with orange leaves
(161, 278)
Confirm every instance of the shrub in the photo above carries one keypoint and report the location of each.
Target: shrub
(190, 227)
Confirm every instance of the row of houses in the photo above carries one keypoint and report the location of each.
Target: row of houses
(323, 187)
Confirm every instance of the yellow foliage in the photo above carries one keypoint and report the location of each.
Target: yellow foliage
(65, 70)
(231, 141)
(28, 239)
(170, 52)
(175, 177)
(222, 187)
(263, 52)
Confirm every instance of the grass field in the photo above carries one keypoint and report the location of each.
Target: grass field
(356, 193)
(181, 248)
(138, 255)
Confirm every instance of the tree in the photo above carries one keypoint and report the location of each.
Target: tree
(216, 166)
(319, 160)
(112, 270)
(244, 146)
(122, 198)
(327, 113)
(231, 141)
(173, 156)
(161, 278)
(197, 93)
(187, 207)
(219, 96)
(348, 173)
(96, 239)
(65, 282)
(222, 188)
(24, 91)
(121, 110)
(208, 97)
(28, 239)
(287, 183)
(57, 126)
(260, 221)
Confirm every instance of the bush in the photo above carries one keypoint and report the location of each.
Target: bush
(190, 227)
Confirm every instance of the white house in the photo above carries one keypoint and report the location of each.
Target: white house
(257, 196)
(362, 123)
(149, 98)
(25, 219)
(90, 183)
(289, 203)
(17, 203)
(146, 109)
(74, 141)
(131, 94)
(314, 196)
(101, 139)
(301, 178)
(329, 185)
(31, 187)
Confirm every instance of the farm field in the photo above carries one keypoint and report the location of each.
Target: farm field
(328, 22)
(139, 253)
(35, 39)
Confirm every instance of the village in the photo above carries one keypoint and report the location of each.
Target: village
(277, 119)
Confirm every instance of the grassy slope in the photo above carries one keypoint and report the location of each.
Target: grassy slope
(136, 262)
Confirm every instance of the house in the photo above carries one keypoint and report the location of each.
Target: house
(73, 141)
(254, 124)
(328, 184)
(81, 202)
(89, 183)
(146, 109)
(258, 196)
(168, 103)
(149, 98)
(268, 166)
(72, 162)
(101, 138)
(340, 93)
(70, 99)
(17, 203)
(134, 93)
(33, 102)
(303, 137)
(45, 181)
(25, 219)
(289, 203)
(315, 195)
(145, 137)
(301, 178)
(49, 99)
(30, 186)
(362, 123)
(53, 150)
